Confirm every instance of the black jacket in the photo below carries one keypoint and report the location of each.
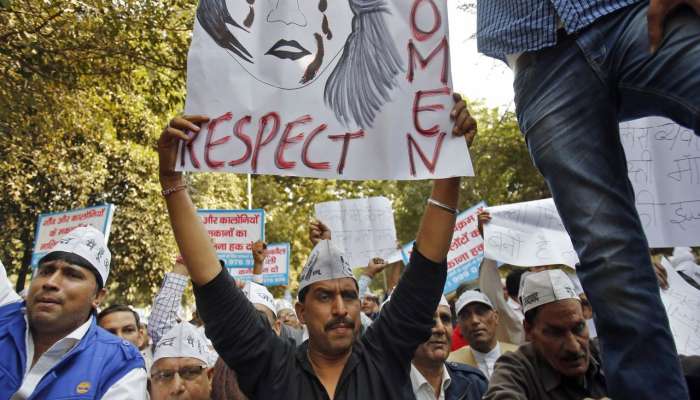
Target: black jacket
(269, 367)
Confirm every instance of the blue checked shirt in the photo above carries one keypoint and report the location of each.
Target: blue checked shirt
(515, 26)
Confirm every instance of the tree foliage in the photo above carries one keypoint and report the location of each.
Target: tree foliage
(85, 88)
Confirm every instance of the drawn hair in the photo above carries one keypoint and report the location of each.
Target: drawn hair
(213, 16)
(367, 71)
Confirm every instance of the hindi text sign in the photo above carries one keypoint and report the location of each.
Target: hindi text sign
(233, 232)
(663, 163)
(466, 250)
(50, 227)
(275, 268)
(682, 303)
(528, 234)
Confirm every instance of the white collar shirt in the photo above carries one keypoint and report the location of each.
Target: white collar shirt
(132, 385)
(486, 361)
(422, 388)
(33, 374)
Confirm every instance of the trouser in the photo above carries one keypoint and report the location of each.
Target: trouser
(570, 99)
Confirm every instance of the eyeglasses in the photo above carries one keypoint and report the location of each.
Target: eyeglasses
(186, 373)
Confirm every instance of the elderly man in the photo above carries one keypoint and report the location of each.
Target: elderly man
(478, 321)
(333, 363)
(182, 365)
(51, 345)
(433, 378)
(560, 362)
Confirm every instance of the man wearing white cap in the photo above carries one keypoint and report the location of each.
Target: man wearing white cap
(478, 321)
(434, 378)
(334, 363)
(560, 362)
(51, 345)
(182, 365)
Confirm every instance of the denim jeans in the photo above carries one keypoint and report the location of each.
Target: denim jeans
(570, 99)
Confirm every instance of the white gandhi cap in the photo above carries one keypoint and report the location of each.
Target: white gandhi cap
(469, 297)
(546, 287)
(184, 341)
(258, 294)
(89, 244)
(325, 263)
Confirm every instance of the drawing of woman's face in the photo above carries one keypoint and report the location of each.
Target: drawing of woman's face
(292, 42)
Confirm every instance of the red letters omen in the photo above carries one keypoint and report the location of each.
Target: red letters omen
(416, 57)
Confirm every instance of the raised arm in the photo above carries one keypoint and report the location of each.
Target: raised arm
(406, 320)
(237, 331)
(190, 235)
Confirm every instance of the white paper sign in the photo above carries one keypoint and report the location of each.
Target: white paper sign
(361, 228)
(53, 226)
(663, 162)
(528, 234)
(350, 89)
(682, 303)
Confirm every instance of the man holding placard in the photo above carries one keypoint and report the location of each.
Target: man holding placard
(377, 365)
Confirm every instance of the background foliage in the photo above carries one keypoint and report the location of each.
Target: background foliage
(85, 87)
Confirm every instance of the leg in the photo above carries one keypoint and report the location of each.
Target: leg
(569, 116)
(666, 83)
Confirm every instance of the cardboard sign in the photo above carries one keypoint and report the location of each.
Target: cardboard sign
(275, 269)
(51, 227)
(349, 90)
(466, 250)
(663, 163)
(233, 232)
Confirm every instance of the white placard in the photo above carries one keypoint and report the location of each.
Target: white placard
(350, 90)
(663, 162)
(361, 228)
(528, 234)
(682, 303)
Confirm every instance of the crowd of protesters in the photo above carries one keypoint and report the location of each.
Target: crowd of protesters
(580, 67)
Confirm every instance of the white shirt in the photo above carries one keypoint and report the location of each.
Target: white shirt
(422, 388)
(130, 386)
(486, 361)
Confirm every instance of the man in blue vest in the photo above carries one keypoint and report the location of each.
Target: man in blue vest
(51, 345)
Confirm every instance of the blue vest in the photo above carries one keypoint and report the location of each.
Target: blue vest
(86, 371)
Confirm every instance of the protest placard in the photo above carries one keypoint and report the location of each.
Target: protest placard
(50, 227)
(682, 303)
(351, 90)
(233, 232)
(528, 234)
(466, 250)
(663, 163)
(361, 228)
(275, 268)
